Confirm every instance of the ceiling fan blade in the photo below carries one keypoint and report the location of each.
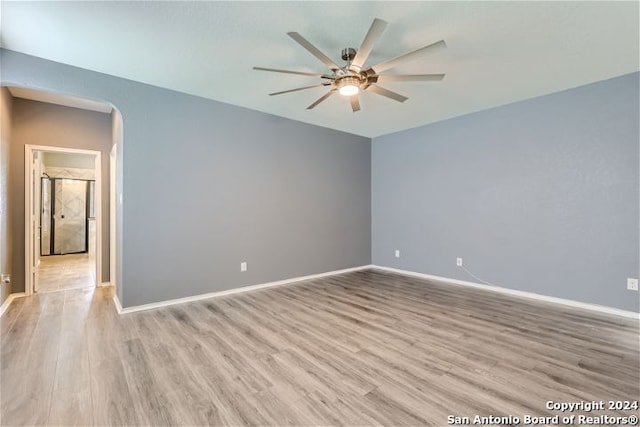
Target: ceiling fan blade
(410, 78)
(322, 98)
(375, 31)
(302, 73)
(385, 65)
(386, 92)
(297, 89)
(314, 50)
(355, 103)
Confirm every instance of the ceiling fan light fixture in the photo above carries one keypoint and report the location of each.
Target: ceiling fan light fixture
(349, 86)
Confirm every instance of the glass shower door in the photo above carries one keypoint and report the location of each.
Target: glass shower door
(70, 216)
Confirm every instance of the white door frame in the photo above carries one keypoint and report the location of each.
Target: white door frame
(30, 214)
(112, 215)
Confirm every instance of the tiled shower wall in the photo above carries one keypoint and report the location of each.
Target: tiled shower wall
(70, 233)
(76, 173)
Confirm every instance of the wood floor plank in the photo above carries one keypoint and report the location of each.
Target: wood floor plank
(188, 402)
(111, 395)
(71, 407)
(147, 399)
(362, 348)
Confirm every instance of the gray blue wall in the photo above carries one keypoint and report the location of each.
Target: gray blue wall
(539, 196)
(207, 185)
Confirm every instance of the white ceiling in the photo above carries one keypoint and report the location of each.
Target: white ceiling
(498, 52)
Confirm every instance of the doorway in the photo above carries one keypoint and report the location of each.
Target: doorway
(63, 216)
(67, 229)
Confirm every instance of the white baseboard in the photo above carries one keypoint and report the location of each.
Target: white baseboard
(530, 295)
(230, 291)
(104, 284)
(5, 305)
(116, 301)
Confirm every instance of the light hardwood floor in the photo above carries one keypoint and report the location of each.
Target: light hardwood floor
(62, 272)
(363, 348)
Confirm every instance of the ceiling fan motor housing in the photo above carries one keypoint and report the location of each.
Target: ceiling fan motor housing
(348, 53)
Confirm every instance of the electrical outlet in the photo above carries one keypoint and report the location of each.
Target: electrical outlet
(397, 253)
(632, 284)
(459, 262)
(5, 278)
(243, 266)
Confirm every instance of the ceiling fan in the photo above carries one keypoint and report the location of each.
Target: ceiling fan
(352, 78)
